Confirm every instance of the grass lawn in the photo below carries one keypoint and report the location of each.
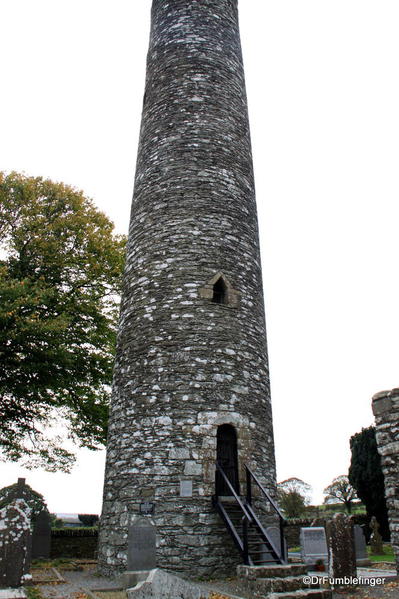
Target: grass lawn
(387, 556)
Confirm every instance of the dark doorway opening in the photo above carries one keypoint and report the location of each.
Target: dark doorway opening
(226, 455)
(219, 292)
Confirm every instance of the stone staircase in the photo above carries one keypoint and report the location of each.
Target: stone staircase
(280, 582)
(257, 549)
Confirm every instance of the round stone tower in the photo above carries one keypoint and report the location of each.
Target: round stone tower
(191, 382)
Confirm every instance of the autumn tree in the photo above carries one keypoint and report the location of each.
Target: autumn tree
(60, 276)
(340, 491)
(365, 474)
(294, 495)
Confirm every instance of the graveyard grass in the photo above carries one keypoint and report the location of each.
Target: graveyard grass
(387, 556)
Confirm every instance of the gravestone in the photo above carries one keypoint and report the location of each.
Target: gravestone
(341, 545)
(141, 546)
(314, 547)
(274, 535)
(376, 545)
(41, 536)
(15, 543)
(360, 547)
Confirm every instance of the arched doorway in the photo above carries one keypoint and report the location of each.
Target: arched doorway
(226, 456)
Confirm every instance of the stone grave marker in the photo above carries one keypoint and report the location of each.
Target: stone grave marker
(41, 536)
(141, 546)
(360, 547)
(376, 545)
(314, 547)
(274, 535)
(341, 544)
(15, 543)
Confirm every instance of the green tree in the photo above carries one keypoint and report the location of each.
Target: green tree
(56, 522)
(341, 491)
(88, 519)
(60, 276)
(365, 475)
(293, 495)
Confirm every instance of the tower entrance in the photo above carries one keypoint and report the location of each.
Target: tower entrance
(226, 456)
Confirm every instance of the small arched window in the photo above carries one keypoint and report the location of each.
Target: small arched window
(219, 292)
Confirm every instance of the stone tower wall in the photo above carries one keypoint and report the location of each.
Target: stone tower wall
(184, 364)
(386, 413)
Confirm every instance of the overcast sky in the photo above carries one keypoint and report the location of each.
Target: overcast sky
(323, 92)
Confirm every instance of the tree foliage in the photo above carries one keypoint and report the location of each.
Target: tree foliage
(60, 276)
(294, 495)
(88, 519)
(341, 491)
(365, 475)
(56, 522)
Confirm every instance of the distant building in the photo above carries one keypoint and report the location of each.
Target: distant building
(69, 520)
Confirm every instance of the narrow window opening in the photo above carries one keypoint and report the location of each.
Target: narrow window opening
(219, 292)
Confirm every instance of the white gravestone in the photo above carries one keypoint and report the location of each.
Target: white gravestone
(314, 546)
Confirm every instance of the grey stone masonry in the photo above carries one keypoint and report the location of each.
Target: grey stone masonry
(191, 352)
(386, 413)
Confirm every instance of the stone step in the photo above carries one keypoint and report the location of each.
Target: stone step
(272, 571)
(279, 585)
(302, 594)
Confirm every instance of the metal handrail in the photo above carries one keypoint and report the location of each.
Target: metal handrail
(237, 498)
(265, 493)
(279, 555)
(246, 519)
(249, 517)
(283, 548)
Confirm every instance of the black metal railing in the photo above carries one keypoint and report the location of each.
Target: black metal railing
(249, 518)
(250, 476)
(241, 543)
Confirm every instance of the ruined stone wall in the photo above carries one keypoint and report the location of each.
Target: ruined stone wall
(184, 364)
(386, 413)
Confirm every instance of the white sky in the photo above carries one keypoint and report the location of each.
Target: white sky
(323, 90)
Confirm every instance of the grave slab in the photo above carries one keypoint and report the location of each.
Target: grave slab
(314, 546)
(41, 537)
(162, 585)
(360, 547)
(341, 545)
(12, 594)
(141, 546)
